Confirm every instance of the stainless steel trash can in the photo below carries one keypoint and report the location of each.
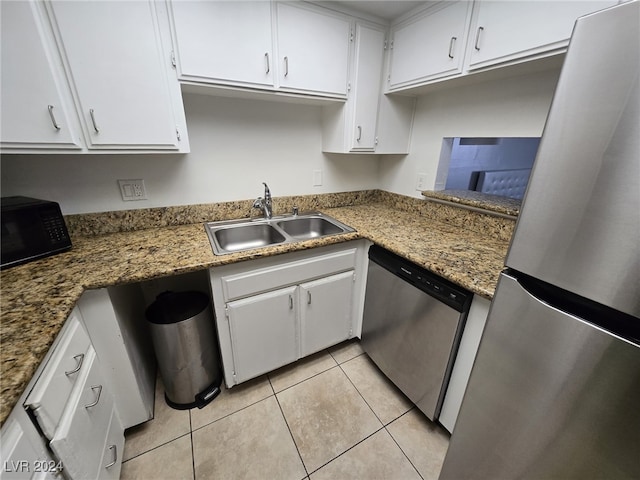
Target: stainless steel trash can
(186, 347)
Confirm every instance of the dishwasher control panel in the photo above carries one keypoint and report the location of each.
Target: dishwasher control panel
(436, 286)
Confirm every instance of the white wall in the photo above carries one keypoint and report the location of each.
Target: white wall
(512, 107)
(235, 145)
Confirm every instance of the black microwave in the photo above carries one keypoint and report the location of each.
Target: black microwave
(31, 229)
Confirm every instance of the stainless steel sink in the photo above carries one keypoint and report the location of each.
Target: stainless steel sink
(240, 235)
(309, 227)
(236, 238)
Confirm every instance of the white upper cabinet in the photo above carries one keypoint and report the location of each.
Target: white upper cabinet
(351, 127)
(270, 46)
(117, 72)
(508, 31)
(429, 45)
(36, 107)
(224, 42)
(313, 49)
(369, 57)
(450, 39)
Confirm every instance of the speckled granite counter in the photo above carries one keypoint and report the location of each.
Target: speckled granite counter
(36, 298)
(483, 201)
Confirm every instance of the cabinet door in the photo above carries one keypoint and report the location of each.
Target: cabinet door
(34, 112)
(224, 41)
(121, 341)
(111, 462)
(505, 31)
(115, 61)
(67, 365)
(313, 50)
(263, 332)
(22, 448)
(82, 432)
(325, 312)
(430, 46)
(367, 82)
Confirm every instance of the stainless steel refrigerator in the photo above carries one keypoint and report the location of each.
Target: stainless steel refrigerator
(555, 388)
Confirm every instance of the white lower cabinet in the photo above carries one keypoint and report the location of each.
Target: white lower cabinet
(94, 382)
(325, 312)
(23, 451)
(114, 319)
(272, 311)
(263, 332)
(82, 432)
(469, 343)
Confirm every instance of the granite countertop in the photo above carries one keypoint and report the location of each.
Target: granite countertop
(38, 297)
(484, 201)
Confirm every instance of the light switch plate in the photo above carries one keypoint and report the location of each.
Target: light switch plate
(132, 190)
(317, 178)
(421, 182)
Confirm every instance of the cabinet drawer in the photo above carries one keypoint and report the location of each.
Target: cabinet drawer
(113, 449)
(51, 392)
(277, 276)
(81, 435)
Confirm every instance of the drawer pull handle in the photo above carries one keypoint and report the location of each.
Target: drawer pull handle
(477, 46)
(451, 44)
(95, 388)
(308, 298)
(93, 120)
(79, 359)
(290, 302)
(286, 66)
(266, 58)
(115, 456)
(53, 118)
(359, 133)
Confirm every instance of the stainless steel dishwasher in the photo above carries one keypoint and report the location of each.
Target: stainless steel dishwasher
(413, 321)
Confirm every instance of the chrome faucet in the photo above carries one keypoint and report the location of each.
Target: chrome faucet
(265, 204)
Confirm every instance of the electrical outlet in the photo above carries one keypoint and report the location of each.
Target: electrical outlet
(421, 182)
(132, 190)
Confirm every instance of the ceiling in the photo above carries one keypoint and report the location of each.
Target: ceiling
(385, 9)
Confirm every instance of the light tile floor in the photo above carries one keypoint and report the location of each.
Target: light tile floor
(333, 415)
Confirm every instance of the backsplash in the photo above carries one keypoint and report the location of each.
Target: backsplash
(89, 224)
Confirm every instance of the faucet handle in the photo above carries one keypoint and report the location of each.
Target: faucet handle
(267, 192)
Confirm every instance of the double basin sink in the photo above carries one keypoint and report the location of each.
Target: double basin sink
(240, 235)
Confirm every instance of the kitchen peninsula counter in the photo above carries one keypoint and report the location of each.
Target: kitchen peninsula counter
(36, 298)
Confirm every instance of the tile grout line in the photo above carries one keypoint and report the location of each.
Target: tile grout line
(289, 429)
(384, 426)
(193, 453)
(232, 413)
(396, 442)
